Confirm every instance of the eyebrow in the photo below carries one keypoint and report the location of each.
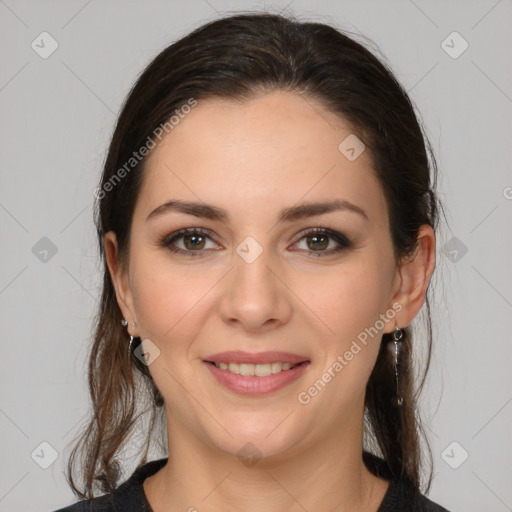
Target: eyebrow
(289, 214)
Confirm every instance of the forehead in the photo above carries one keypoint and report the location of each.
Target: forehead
(276, 148)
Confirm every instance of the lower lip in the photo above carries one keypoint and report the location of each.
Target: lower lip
(256, 386)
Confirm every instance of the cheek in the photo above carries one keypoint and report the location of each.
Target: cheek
(167, 299)
(349, 298)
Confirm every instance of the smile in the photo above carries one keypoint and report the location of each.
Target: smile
(256, 370)
(255, 379)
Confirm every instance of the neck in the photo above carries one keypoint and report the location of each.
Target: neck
(198, 477)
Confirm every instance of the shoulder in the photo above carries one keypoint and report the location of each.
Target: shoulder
(100, 504)
(423, 504)
(128, 497)
(402, 498)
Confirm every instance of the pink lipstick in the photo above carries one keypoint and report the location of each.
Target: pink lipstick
(256, 374)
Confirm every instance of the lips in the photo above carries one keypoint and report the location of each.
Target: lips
(256, 374)
(256, 358)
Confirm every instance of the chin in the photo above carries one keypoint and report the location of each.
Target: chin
(260, 437)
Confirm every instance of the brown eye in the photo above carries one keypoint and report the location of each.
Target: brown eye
(318, 240)
(194, 241)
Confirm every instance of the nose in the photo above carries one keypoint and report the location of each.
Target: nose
(255, 295)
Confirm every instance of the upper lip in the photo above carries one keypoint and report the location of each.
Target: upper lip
(236, 356)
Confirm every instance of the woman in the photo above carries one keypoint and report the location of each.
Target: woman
(266, 219)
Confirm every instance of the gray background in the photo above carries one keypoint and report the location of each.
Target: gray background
(57, 115)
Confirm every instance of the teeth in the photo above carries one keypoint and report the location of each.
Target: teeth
(262, 370)
(276, 367)
(255, 370)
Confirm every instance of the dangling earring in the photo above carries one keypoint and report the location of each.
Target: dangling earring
(398, 335)
(124, 323)
(130, 346)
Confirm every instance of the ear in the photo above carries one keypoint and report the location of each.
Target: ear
(120, 280)
(413, 277)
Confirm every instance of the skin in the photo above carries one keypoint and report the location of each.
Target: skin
(254, 159)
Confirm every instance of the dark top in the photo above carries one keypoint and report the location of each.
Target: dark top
(130, 496)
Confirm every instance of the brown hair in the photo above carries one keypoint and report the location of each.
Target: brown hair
(238, 57)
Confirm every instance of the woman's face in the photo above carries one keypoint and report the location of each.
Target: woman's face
(255, 281)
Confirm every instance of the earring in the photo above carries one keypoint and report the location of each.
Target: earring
(124, 323)
(130, 346)
(398, 335)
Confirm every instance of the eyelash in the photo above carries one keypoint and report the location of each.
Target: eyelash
(342, 241)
